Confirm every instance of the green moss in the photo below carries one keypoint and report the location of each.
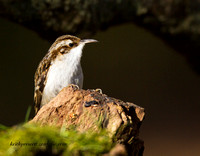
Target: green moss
(29, 139)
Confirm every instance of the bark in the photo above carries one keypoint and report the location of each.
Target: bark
(92, 110)
(175, 21)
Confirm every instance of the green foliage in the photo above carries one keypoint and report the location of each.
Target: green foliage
(27, 114)
(31, 139)
(2, 127)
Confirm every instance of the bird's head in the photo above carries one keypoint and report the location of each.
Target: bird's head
(66, 43)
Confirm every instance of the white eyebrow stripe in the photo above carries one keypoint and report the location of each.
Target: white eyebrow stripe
(63, 43)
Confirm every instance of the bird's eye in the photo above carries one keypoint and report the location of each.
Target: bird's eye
(71, 44)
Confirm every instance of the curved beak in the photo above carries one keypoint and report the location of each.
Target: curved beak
(84, 41)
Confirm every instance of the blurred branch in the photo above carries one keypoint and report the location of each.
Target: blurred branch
(175, 21)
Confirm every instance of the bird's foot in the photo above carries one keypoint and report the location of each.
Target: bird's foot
(99, 90)
(75, 87)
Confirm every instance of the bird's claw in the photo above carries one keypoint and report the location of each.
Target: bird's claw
(99, 90)
(75, 87)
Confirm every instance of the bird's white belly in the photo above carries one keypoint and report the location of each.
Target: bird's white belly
(63, 72)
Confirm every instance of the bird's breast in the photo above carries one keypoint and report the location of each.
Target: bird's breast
(64, 70)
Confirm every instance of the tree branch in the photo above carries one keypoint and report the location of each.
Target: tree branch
(175, 21)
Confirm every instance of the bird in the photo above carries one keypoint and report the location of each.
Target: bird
(60, 67)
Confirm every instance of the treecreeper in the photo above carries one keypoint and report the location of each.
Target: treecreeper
(60, 67)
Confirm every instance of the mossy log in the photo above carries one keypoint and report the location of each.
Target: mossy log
(92, 110)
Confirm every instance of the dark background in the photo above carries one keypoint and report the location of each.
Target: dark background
(128, 63)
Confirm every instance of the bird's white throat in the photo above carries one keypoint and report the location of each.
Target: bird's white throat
(65, 69)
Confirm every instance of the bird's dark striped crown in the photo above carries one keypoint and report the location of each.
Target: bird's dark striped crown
(64, 44)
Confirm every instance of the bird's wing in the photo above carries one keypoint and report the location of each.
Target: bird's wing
(40, 81)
